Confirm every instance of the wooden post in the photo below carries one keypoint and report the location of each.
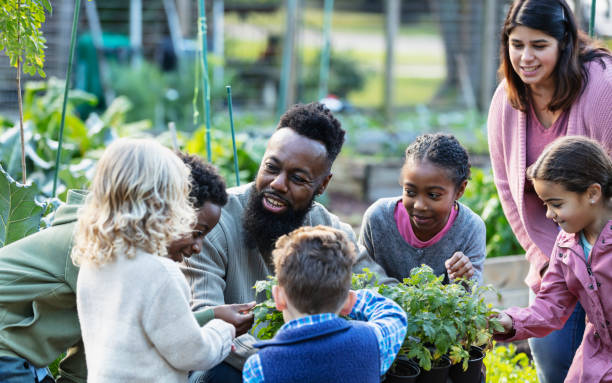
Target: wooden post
(326, 50)
(286, 93)
(218, 23)
(392, 25)
(592, 22)
(489, 53)
(174, 26)
(185, 13)
(136, 31)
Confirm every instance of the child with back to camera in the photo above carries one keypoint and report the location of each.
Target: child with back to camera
(573, 177)
(313, 266)
(133, 301)
(427, 225)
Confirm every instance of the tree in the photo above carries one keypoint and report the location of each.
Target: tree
(22, 41)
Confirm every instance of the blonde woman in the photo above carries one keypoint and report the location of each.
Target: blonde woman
(133, 301)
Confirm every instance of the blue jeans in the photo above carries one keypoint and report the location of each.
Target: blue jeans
(18, 370)
(221, 373)
(553, 354)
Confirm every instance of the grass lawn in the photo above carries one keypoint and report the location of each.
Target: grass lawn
(341, 21)
(408, 91)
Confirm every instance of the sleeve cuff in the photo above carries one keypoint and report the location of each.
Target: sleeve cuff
(204, 316)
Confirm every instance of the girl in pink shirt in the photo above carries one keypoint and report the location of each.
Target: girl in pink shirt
(555, 82)
(573, 177)
(427, 224)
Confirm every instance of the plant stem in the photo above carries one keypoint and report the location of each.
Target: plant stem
(23, 164)
(231, 116)
(205, 79)
(75, 22)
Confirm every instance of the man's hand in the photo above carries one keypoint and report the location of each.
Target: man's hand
(237, 315)
(458, 266)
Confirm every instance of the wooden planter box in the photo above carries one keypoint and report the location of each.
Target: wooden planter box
(507, 275)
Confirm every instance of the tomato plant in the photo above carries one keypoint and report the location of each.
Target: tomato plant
(442, 319)
(268, 320)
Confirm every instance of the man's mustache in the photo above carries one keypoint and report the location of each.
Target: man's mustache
(269, 192)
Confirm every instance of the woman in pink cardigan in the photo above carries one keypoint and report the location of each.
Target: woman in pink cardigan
(556, 82)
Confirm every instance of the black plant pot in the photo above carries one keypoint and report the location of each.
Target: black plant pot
(406, 371)
(472, 374)
(438, 372)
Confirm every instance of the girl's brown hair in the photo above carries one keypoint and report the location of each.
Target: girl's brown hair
(576, 49)
(575, 162)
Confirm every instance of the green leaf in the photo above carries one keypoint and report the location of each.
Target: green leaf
(20, 214)
(47, 6)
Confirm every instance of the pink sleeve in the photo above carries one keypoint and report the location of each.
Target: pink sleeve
(551, 308)
(598, 104)
(499, 163)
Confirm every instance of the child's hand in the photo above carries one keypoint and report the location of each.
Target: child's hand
(505, 320)
(237, 315)
(458, 266)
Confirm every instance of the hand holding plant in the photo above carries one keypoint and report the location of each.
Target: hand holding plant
(459, 266)
(505, 322)
(237, 315)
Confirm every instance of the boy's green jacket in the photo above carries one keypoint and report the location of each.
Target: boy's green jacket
(38, 314)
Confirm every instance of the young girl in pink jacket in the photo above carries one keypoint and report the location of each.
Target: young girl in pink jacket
(556, 82)
(573, 177)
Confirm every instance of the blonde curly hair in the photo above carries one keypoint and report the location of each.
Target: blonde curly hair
(139, 199)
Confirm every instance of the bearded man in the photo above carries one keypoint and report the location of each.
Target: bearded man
(296, 167)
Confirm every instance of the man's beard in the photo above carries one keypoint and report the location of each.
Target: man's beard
(263, 227)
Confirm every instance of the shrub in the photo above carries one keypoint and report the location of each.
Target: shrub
(504, 365)
(481, 196)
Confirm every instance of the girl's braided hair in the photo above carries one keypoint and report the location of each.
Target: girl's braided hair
(442, 150)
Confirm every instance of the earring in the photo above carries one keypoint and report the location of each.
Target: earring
(592, 202)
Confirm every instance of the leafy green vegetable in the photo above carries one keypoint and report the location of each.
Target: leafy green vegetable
(20, 214)
(268, 320)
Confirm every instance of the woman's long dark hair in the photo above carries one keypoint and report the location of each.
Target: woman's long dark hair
(555, 18)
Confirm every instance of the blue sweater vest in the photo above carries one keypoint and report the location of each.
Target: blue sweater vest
(331, 351)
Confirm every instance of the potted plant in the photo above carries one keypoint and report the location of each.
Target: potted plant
(403, 370)
(431, 330)
(444, 323)
(475, 332)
